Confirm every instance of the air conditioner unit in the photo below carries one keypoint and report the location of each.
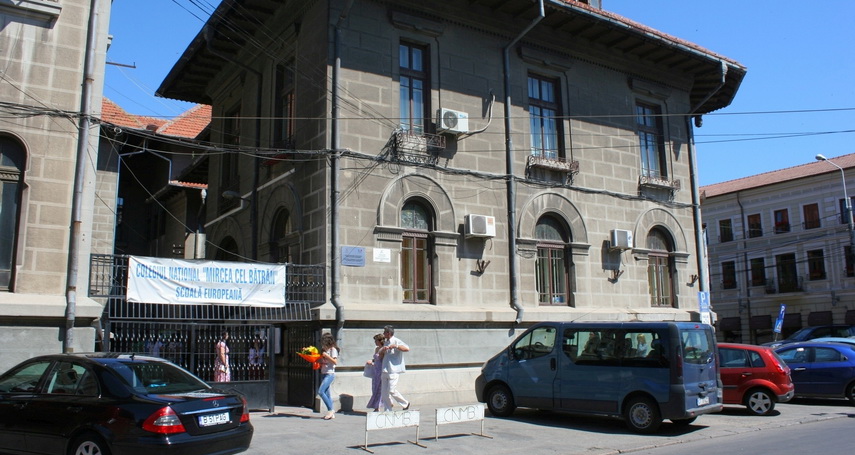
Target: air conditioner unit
(452, 121)
(479, 226)
(621, 239)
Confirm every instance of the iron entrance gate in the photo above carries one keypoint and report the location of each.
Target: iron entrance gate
(187, 334)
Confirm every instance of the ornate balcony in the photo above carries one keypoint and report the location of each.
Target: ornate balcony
(417, 148)
(655, 182)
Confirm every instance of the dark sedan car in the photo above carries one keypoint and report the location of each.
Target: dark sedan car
(821, 369)
(97, 404)
(809, 333)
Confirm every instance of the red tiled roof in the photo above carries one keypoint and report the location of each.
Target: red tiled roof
(190, 123)
(187, 125)
(112, 113)
(781, 175)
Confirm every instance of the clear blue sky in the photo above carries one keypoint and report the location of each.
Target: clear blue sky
(797, 100)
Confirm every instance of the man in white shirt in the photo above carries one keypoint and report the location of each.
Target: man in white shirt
(393, 365)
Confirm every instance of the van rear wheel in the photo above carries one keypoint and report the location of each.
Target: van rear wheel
(642, 415)
(500, 401)
(759, 402)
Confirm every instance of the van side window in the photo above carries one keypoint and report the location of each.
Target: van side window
(536, 343)
(646, 348)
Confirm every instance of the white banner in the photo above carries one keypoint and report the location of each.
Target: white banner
(162, 280)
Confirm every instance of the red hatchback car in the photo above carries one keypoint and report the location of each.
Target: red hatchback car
(754, 376)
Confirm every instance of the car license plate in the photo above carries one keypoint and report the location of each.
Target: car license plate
(703, 401)
(213, 419)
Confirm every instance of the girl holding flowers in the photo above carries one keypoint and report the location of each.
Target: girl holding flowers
(329, 359)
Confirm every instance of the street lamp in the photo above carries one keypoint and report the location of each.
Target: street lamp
(846, 202)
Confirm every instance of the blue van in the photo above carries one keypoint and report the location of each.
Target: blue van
(643, 372)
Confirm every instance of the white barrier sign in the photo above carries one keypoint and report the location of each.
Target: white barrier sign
(391, 419)
(458, 414)
(175, 281)
(469, 413)
(387, 420)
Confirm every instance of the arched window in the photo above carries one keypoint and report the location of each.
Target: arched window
(660, 268)
(228, 250)
(280, 250)
(416, 252)
(12, 159)
(554, 266)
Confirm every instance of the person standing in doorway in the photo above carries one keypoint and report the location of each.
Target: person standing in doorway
(393, 366)
(222, 372)
(329, 359)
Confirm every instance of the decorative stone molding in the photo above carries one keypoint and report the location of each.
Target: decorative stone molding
(420, 25)
(43, 10)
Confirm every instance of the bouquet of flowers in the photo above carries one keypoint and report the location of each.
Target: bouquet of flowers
(310, 354)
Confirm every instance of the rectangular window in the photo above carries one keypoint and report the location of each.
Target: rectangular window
(284, 113)
(725, 230)
(755, 227)
(415, 268)
(816, 265)
(551, 275)
(782, 221)
(659, 281)
(728, 275)
(758, 272)
(788, 278)
(544, 120)
(651, 140)
(811, 216)
(850, 261)
(415, 86)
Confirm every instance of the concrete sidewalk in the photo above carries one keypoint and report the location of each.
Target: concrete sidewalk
(294, 430)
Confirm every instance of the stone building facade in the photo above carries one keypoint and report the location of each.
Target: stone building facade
(58, 198)
(780, 238)
(464, 169)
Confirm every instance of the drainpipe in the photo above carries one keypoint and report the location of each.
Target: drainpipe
(75, 244)
(509, 166)
(209, 33)
(703, 278)
(335, 264)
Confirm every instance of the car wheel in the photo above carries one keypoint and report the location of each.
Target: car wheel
(850, 393)
(759, 402)
(500, 401)
(642, 415)
(88, 444)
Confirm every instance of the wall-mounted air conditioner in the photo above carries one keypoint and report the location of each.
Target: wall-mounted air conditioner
(621, 239)
(450, 121)
(479, 226)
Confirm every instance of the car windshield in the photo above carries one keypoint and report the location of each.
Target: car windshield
(157, 377)
(800, 335)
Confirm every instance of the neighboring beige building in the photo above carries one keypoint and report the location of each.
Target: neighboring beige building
(57, 198)
(464, 169)
(780, 238)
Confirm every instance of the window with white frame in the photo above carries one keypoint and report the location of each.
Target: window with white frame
(544, 120)
(414, 87)
(648, 120)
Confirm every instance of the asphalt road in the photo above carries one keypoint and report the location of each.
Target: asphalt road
(829, 436)
(295, 430)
